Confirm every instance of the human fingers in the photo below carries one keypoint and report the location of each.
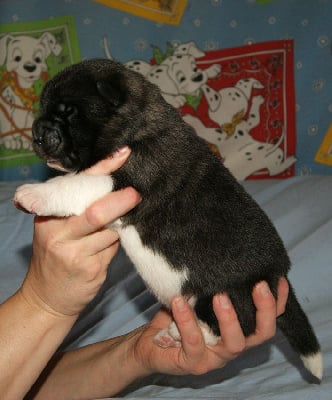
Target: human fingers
(192, 340)
(282, 291)
(111, 163)
(51, 232)
(232, 338)
(99, 241)
(197, 357)
(102, 212)
(266, 314)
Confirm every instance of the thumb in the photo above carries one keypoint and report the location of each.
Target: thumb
(102, 212)
(111, 163)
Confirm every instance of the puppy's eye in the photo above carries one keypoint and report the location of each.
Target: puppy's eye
(67, 111)
(17, 58)
(38, 60)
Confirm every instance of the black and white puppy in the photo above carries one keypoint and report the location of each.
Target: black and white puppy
(196, 231)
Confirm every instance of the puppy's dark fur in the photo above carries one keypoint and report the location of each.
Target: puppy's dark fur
(193, 213)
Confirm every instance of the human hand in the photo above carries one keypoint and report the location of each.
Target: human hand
(71, 255)
(194, 356)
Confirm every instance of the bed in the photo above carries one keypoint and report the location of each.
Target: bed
(301, 209)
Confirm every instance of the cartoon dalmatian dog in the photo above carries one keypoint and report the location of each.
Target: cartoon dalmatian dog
(242, 154)
(24, 59)
(229, 101)
(178, 75)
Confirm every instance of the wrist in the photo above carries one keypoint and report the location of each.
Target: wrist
(124, 363)
(36, 304)
(29, 336)
(136, 358)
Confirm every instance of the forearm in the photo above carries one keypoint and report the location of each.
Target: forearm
(98, 370)
(29, 336)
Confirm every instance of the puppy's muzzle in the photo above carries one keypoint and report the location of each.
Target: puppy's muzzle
(47, 136)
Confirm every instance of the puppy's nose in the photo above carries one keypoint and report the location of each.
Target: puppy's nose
(47, 135)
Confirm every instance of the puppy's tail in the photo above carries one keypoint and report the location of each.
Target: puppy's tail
(296, 327)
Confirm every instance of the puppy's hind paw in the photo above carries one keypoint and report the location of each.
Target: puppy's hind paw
(164, 339)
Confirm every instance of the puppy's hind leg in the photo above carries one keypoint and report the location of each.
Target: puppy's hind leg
(171, 337)
(168, 337)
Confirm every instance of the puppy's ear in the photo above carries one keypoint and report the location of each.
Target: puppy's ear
(111, 91)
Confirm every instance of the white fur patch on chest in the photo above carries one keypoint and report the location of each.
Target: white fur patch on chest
(163, 280)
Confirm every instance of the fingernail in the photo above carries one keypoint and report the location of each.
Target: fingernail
(264, 289)
(224, 302)
(120, 152)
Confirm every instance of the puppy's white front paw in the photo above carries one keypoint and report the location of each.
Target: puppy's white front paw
(62, 196)
(34, 198)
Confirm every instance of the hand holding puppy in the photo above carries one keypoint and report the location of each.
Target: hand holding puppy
(71, 256)
(194, 356)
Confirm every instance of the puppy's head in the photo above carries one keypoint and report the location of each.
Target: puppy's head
(88, 111)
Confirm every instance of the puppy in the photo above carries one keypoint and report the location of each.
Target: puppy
(196, 232)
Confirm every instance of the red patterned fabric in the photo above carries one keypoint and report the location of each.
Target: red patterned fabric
(252, 102)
